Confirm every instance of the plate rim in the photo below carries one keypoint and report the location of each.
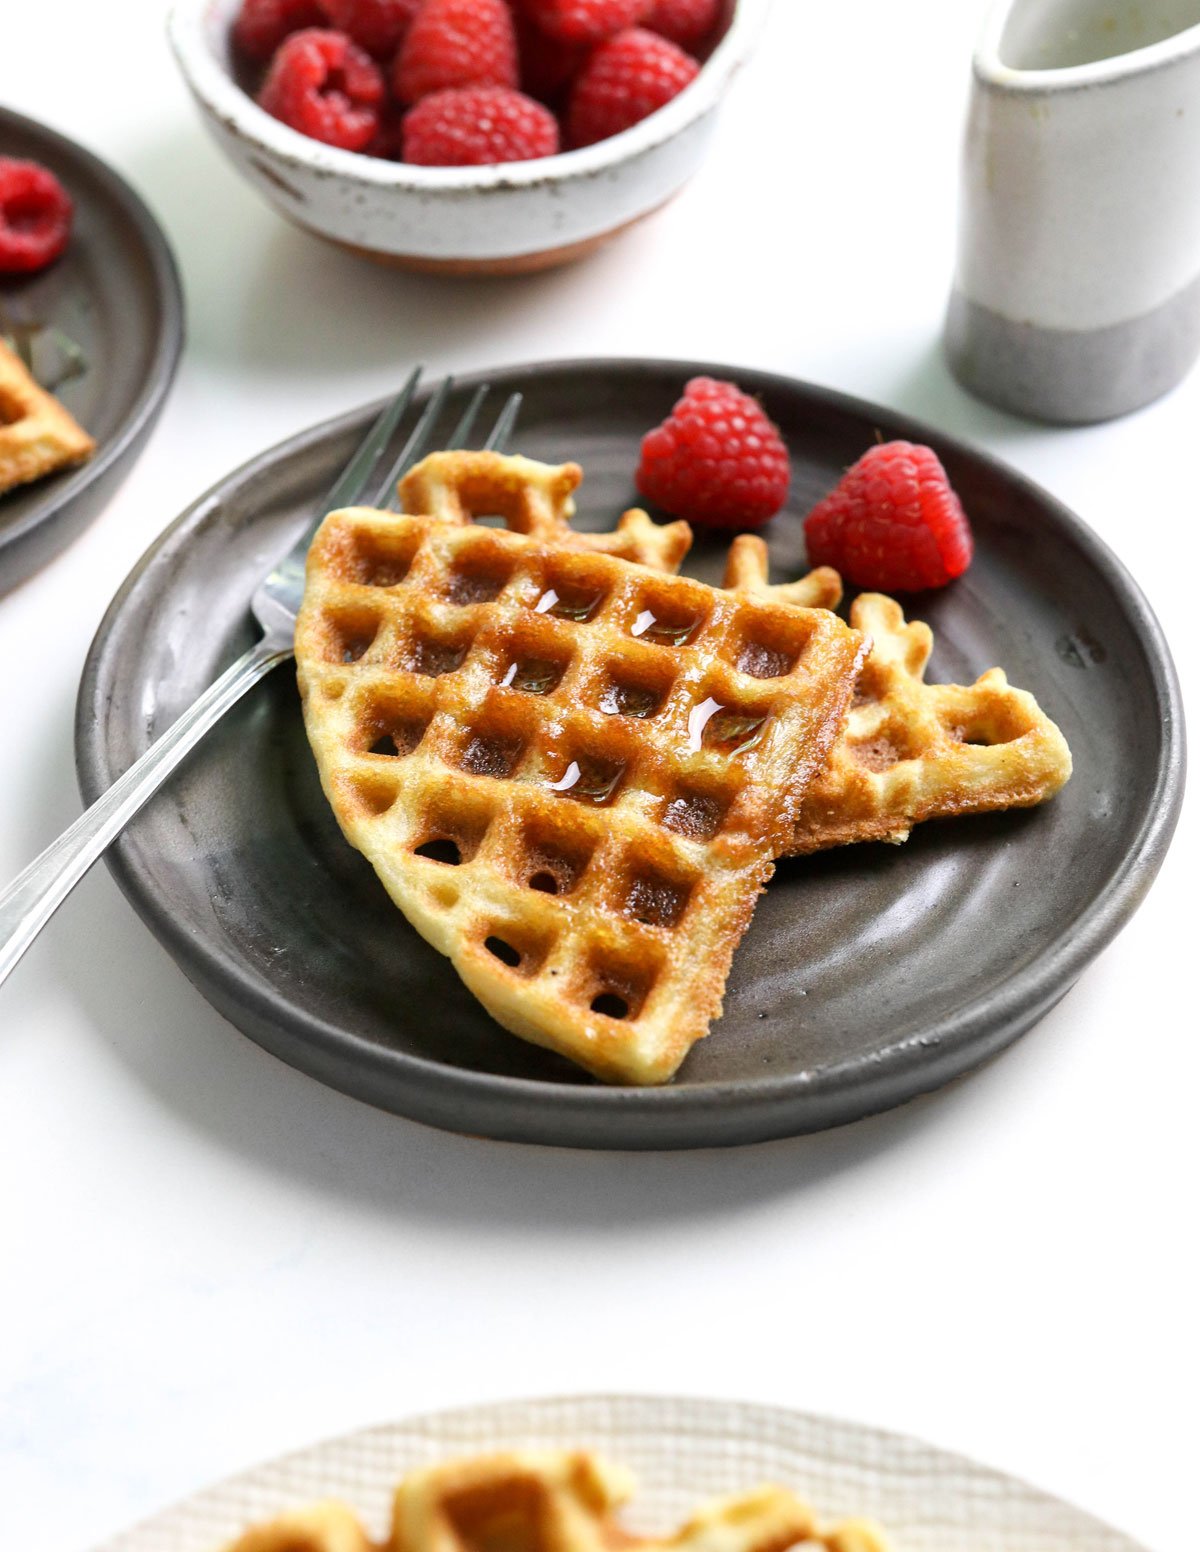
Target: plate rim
(889, 1441)
(164, 363)
(961, 1037)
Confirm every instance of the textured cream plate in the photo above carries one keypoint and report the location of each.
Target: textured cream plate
(683, 1451)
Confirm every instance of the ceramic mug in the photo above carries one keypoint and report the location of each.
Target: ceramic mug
(1077, 290)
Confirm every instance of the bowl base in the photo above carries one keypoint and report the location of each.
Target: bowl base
(514, 264)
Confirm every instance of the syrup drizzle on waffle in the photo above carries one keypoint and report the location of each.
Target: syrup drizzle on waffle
(911, 751)
(579, 814)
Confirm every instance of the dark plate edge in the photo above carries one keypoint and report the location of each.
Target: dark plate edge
(149, 403)
(719, 1114)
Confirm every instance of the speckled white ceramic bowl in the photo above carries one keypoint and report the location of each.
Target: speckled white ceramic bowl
(519, 216)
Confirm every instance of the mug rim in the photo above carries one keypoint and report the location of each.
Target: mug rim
(991, 69)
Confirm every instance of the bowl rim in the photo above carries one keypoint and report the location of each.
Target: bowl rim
(224, 99)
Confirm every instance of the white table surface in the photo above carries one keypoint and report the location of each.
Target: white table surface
(208, 1258)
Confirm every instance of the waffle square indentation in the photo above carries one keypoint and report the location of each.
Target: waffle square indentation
(374, 559)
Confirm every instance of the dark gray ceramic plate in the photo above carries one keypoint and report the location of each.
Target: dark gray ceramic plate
(115, 293)
(869, 975)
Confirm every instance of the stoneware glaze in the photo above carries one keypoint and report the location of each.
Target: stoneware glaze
(465, 220)
(115, 295)
(870, 973)
(1077, 291)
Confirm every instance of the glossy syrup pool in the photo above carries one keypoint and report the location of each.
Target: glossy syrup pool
(733, 732)
(570, 603)
(629, 700)
(534, 675)
(589, 781)
(663, 632)
(721, 728)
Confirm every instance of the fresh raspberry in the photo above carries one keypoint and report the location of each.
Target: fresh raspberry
(456, 43)
(892, 522)
(624, 81)
(262, 25)
(35, 218)
(716, 460)
(548, 65)
(476, 125)
(323, 84)
(584, 21)
(376, 25)
(686, 22)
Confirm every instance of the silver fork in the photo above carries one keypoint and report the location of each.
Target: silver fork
(32, 898)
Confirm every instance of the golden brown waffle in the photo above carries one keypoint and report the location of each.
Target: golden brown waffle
(571, 771)
(37, 435)
(324, 1527)
(911, 751)
(553, 1501)
(558, 1501)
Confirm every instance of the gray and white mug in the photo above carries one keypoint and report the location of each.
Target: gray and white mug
(1077, 289)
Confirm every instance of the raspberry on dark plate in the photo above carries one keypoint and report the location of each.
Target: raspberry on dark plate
(624, 81)
(322, 84)
(376, 25)
(454, 43)
(585, 21)
(35, 217)
(262, 25)
(478, 126)
(717, 459)
(893, 522)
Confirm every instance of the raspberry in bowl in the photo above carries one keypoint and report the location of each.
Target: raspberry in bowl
(378, 123)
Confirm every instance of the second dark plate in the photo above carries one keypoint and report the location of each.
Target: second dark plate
(869, 975)
(115, 294)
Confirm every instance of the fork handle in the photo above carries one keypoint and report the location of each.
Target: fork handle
(32, 898)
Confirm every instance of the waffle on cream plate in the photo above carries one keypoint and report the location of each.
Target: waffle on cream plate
(551, 1501)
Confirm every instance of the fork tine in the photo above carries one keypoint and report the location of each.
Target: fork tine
(461, 432)
(415, 445)
(349, 487)
(503, 428)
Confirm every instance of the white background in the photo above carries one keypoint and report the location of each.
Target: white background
(208, 1258)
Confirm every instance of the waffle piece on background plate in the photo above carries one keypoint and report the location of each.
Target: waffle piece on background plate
(38, 436)
(911, 751)
(553, 1501)
(570, 768)
(322, 1527)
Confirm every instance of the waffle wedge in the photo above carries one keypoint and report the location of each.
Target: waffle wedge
(37, 435)
(560, 1501)
(570, 768)
(911, 751)
(324, 1527)
(552, 1501)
